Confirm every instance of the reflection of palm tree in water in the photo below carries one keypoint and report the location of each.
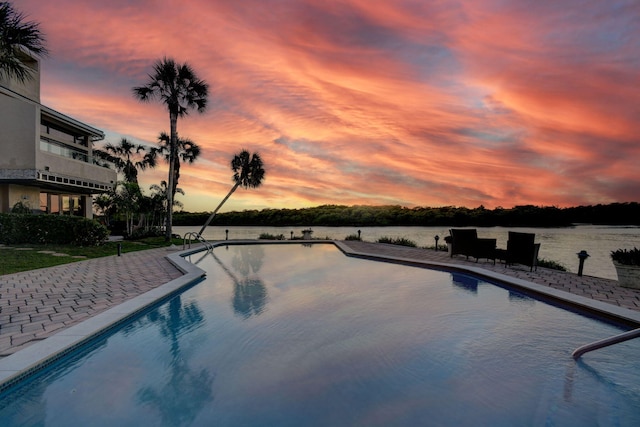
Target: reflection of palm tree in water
(249, 297)
(248, 259)
(249, 293)
(185, 392)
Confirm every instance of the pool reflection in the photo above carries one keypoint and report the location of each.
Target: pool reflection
(184, 391)
(249, 291)
(465, 282)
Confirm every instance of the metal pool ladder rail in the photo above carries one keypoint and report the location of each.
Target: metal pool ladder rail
(635, 333)
(198, 237)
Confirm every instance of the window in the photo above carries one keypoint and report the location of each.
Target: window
(55, 147)
(65, 204)
(44, 203)
(54, 203)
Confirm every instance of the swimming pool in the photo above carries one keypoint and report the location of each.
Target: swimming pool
(303, 335)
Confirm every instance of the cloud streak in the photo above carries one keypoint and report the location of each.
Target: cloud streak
(434, 103)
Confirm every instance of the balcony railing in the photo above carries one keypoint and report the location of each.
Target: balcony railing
(59, 149)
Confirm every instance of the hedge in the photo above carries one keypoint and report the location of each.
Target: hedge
(51, 229)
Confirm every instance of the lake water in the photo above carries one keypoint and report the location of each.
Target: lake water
(556, 244)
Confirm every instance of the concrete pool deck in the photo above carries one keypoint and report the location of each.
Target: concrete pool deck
(39, 304)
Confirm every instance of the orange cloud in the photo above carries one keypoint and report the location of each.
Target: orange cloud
(354, 102)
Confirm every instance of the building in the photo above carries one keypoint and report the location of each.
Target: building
(46, 157)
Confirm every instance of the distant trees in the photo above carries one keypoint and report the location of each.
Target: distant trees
(180, 90)
(363, 216)
(18, 39)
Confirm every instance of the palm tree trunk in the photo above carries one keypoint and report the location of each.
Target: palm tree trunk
(176, 174)
(235, 187)
(172, 154)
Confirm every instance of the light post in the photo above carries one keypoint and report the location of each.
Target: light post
(582, 255)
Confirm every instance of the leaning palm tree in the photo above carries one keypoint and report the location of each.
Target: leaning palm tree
(18, 39)
(248, 172)
(180, 90)
(127, 158)
(188, 152)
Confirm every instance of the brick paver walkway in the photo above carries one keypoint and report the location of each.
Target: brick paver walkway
(36, 304)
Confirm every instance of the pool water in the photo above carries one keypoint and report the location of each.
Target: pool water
(293, 335)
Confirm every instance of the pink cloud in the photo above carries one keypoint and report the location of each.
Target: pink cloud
(351, 102)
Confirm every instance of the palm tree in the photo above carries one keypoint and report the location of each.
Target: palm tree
(187, 152)
(159, 193)
(127, 158)
(128, 198)
(248, 172)
(105, 205)
(180, 90)
(18, 39)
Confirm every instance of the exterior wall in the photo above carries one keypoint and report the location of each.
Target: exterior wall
(20, 124)
(31, 87)
(28, 195)
(75, 169)
(4, 198)
(88, 206)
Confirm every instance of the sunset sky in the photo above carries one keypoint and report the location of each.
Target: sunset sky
(412, 103)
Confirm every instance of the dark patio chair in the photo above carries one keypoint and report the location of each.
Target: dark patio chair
(466, 242)
(522, 249)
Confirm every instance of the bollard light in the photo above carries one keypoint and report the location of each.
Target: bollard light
(292, 235)
(227, 234)
(119, 249)
(437, 238)
(582, 255)
(359, 235)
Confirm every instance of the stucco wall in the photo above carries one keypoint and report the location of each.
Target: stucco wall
(20, 125)
(30, 87)
(4, 198)
(74, 168)
(12, 194)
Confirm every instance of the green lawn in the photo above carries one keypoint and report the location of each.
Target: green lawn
(16, 258)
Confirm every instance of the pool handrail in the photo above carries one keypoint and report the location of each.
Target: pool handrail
(635, 333)
(197, 236)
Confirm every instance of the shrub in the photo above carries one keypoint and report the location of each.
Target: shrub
(626, 257)
(51, 229)
(142, 233)
(352, 237)
(21, 208)
(397, 241)
(553, 265)
(267, 236)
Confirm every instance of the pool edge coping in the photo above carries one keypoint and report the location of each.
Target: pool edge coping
(40, 354)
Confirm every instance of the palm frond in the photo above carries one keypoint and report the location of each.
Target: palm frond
(18, 39)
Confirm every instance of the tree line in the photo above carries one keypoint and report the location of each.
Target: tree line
(371, 216)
